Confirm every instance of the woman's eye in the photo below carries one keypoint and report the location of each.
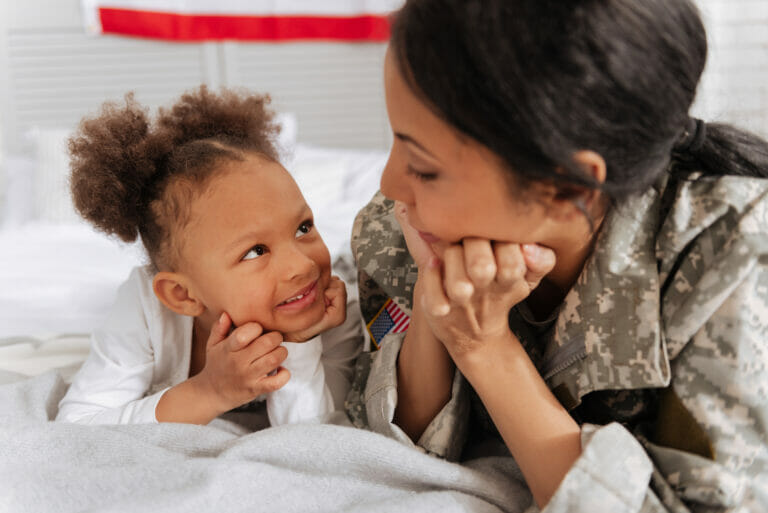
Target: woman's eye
(420, 175)
(255, 252)
(304, 228)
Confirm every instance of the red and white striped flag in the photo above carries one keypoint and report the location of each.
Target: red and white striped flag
(243, 20)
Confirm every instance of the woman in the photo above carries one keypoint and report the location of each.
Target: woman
(588, 287)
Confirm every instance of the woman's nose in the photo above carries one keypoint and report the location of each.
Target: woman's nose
(394, 182)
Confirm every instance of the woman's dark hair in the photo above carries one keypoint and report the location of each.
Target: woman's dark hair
(133, 177)
(536, 81)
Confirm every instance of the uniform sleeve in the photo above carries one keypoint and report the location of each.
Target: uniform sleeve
(709, 448)
(111, 387)
(373, 398)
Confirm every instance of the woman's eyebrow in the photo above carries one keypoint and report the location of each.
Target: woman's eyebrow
(411, 140)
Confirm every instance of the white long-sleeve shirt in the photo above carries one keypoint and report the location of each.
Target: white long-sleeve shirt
(143, 349)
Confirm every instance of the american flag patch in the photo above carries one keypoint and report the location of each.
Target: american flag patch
(390, 319)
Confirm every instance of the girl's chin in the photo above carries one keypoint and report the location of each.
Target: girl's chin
(300, 325)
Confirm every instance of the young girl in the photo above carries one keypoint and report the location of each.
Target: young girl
(591, 284)
(239, 283)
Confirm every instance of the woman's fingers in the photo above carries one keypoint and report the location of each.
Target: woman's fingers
(417, 247)
(479, 261)
(457, 284)
(510, 265)
(539, 262)
(433, 298)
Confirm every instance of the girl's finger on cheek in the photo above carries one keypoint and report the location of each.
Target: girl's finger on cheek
(510, 265)
(480, 262)
(433, 298)
(457, 284)
(219, 330)
(244, 335)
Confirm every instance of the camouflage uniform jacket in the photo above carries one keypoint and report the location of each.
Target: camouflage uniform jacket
(659, 351)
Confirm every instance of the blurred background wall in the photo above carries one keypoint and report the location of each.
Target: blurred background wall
(52, 73)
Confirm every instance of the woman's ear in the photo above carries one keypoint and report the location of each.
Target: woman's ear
(592, 163)
(172, 289)
(573, 200)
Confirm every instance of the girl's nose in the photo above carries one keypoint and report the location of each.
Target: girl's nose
(298, 264)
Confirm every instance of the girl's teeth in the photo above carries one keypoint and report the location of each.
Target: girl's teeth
(293, 299)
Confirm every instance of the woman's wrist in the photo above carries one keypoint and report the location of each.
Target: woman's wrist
(541, 435)
(424, 374)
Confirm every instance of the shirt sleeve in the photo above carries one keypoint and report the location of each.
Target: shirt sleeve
(341, 347)
(373, 404)
(111, 387)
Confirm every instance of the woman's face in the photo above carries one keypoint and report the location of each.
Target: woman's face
(452, 186)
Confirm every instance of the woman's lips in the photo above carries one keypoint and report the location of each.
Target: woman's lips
(301, 300)
(428, 237)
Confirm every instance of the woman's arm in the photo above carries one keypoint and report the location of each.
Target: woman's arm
(542, 437)
(467, 309)
(424, 375)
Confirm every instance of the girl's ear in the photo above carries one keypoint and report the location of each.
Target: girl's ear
(172, 289)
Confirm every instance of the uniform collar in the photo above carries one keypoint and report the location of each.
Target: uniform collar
(611, 319)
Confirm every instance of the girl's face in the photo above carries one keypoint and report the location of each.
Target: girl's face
(251, 249)
(452, 186)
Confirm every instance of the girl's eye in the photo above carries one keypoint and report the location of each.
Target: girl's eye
(420, 175)
(255, 252)
(304, 228)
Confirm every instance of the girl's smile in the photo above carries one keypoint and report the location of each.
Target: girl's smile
(301, 300)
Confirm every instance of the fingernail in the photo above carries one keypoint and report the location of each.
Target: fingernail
(222, 319)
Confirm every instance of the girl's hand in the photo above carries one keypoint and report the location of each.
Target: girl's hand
(241, 365)
(467, 298)
(335, 312)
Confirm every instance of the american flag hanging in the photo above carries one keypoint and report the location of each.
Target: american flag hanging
(390, 319)
(242, 20)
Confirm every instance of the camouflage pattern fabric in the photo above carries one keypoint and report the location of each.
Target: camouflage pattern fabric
(659, 351)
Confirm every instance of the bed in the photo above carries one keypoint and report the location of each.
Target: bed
(57, 280)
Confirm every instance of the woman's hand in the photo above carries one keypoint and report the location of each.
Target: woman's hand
(467, 297)
(419, 249)
(335, 312)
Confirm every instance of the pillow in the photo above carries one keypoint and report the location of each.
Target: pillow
(52, 201)
(59, 278)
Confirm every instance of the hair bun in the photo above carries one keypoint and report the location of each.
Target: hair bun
(113, 157)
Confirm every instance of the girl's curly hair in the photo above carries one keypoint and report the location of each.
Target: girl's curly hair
(134, 177)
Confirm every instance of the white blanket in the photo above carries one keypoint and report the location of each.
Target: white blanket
(48, 466)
